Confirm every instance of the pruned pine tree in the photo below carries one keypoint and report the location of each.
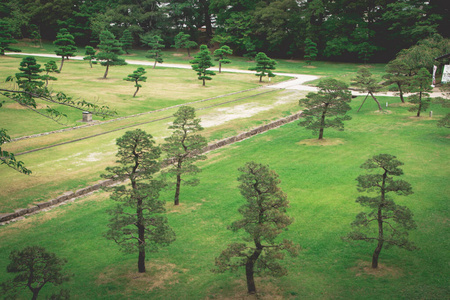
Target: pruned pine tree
(6, 38)
(420, 86)
(310, 51)
(90, 54)
(367, 83)
(201, 63)
(34, 268)
(397, 73)
(136, 77)
(110, 49)
(263, 220)
(30, 73)
(126, 40)
(184, 147)
(65, 43)
(326, 108)
(386, 223)
(137, 223)
(221, 55)
(49, 67)
(264, 66)
(156, 44)
(182, 41)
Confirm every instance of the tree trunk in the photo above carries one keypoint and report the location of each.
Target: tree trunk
(189, 52)
(62, 62)
(401, 93)
(204, 82)
(137, 89)
(420, 104)
(260, 78)
(379, 106)
(177, 190)
(90, 63)
(377, 251)
(35, 294)
(220, 67)
(249, 268)
(154, 65)
(322, 121)
(106, 71)
(141, 235)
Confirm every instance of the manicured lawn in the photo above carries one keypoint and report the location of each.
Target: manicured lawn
(320, 183)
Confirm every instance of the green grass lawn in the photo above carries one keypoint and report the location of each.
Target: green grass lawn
(319, 180)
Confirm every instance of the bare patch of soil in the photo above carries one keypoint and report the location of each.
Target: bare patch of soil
(365, 268)
(323, 142)
(177, 54)
(310, 67)
(184, 206)
(266, 291)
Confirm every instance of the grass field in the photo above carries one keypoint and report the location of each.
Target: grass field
(319, 179)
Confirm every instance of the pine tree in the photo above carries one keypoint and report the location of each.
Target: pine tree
(6, 38)
(137, 76)
(367, 83)
(397, 73)
(65, 44)
(201, 63)
(90, 54)
(30, 73)
(49, 67)
(221, 55)
(182, 41)
(126, 40)
(310, 51)
(155, 42)
(110, 49)
(264, 66)
(421, 86)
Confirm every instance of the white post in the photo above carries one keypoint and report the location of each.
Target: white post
(431, 113)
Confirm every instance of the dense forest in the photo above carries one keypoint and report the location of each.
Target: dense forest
(344, 30)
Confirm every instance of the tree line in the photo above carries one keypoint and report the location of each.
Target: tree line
(341, 29)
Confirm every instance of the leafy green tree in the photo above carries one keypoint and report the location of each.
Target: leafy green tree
(30, 72)
(392, 221)
(221, 55)
(137, 223)
(397, 73)
(136, 77)
(201, 63)
(263, 219)
(310, 51)
(89, 51)
(65, 44)
(264, 66)
(367, 83)
(326, 108)
(49, 67)
(35, 268)
(6, 38)
(420, 85)
(155, 42)
(184, 147)
(182, 41)
(110, 49)
(126, 40)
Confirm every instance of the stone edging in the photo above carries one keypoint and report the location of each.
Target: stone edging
(8, 217)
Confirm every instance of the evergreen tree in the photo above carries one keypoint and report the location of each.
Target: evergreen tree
(155, 42)
(397, 73)
(367, 83)
(221, 55)
(6, 38)
(184, 147)
(49, 67)
(110, 49)
(30, 73)
(126, 40)
(65, 44)
(264, 65)
(263, 219)
(182, 41)
(35, 268)
(420, 85)
(137, 76)
(201, 63)
(392, 221)
(310, 51)
(90, 54)
(326, 108)
(137, 223)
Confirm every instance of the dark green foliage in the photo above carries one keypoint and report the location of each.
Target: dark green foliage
(201, 63)
(184, 147)
(35, 267)
(420, 85)
(155, 42)
(137, 76)
(137, 223)
(30, 73)
(326, 108)
(182, 41)
(49, 67)
(310, 51)
(367, 83)
(264, 66)
(221, 55)
(90, 54)
(6, 38)
(392, 221)
(126, 40)
(397, 73)
(110, 49)
(263, 219)
(65, 44)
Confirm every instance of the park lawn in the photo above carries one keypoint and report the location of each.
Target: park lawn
(319, 180)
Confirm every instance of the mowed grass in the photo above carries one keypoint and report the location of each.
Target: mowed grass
(319, 180)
